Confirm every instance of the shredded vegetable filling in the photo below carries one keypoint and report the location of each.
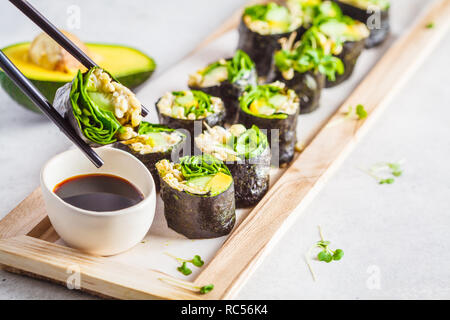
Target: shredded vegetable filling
(190, 105)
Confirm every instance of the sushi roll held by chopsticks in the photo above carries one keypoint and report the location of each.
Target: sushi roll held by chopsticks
(226, 79)
(153, 143)
(190, 110)
(304, 68)
(246, 153)
(100, 109)
(198, 195)
(275, 108)
(261, 27)
(374, 13)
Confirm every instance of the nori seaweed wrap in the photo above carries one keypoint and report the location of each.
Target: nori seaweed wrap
(198, 195)
(303, 68)
(246, 153)
(153, 143)
(100, 109)
(227, 80)
(343, 37)
(190, 110)
(374, 13)
(272, 107)
(260, 29)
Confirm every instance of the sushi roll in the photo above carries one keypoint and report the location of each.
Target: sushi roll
(198, 195)
(342, 37)
(304, 68)
(272, 107)
(153, 143)
(227, 80)
(100, 109)
(190, 110)
(246, 153)
(261, 27)
(374, 13)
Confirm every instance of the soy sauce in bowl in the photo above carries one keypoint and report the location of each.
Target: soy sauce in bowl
(98, 192)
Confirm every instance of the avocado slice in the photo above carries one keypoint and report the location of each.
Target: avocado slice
(129, 66)
(219, 183)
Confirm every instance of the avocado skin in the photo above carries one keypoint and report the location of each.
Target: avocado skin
(199, 217)
(48, 88)
(309, 97)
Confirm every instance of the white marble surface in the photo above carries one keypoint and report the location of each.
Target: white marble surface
(393, 233)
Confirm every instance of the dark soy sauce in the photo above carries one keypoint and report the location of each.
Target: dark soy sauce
(98, 192)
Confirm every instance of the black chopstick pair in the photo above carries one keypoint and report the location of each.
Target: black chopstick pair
(33, 93)
(46, 26)
(46, 107)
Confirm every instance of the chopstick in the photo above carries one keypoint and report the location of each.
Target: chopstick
(46, 107)
(50, 29)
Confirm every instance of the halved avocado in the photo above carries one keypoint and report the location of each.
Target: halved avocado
(129, 66)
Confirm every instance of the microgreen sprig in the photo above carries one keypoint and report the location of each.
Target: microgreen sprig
(184, 269)
(189, 286)
(326, 254)
(359, 111)
(378, 171)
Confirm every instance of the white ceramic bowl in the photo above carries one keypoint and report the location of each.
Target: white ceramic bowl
(100, 233)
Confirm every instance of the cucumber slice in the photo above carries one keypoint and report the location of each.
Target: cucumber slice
(278, 100)
(186, 100)
(101, 100)
(157, 139)
(215, 76)
(201, 182)
(278, 13)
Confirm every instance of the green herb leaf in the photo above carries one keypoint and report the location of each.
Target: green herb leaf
(430, 25)
(147, 127)
(361, 112)
(197, 261)
(325, 256)
(206, 289)
(203, 165)
(387, 181)
(338, 254)
(184, 269)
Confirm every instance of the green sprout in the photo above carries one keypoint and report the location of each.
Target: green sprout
(430, 25)
(189, 286)
(196, 261)
(359, 112)
(385, 172)
(184, 269)
(326, 254)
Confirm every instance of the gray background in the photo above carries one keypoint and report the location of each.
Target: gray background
(393, 235)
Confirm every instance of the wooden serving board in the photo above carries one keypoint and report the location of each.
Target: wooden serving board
(29, 244)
